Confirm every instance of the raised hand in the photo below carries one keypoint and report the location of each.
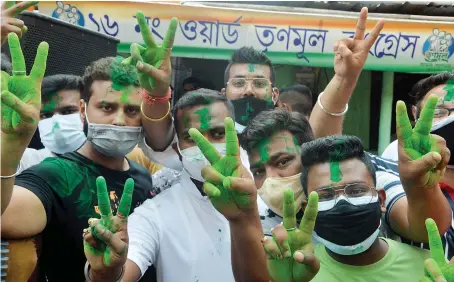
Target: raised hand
(21, 94)
(436, 268)
(351, 54)
(8, 21)
(290, 253)
(422, 157)
(153, 61)
(228, 185)
(106, 240)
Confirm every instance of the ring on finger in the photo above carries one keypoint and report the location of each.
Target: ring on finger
(19, 72)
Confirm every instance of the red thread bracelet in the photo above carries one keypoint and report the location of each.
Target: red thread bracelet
(150, 100)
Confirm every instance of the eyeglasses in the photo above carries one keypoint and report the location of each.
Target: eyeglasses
(357, 194)
(443, 112)
(239, 84)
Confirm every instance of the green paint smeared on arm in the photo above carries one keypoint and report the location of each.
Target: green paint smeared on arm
(204, 118)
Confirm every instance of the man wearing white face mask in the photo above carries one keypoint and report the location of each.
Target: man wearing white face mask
(57, 197)
(60, 127)
(179, 231)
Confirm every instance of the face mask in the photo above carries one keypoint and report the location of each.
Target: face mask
(111, 140)
(273, 188)
(193, 160)
(445, 129)
(62, 133)
(248, 107)
(347, 229)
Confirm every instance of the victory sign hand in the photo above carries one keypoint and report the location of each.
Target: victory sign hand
(422, 156)
(153, 61)
(436, 268)
(21, 93)
(290, 253)
(106, 240)
(228, 184)
(351, 53)
(9, 23)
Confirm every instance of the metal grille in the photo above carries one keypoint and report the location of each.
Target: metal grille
(71, 48)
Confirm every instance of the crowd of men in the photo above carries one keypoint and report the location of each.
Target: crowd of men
(248, 183)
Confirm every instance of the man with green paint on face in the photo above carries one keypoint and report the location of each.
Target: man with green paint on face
(57, 197)
(345, 233)
(179, 231)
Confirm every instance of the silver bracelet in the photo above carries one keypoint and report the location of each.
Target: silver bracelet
(16, 173)
(319, 102)
(87, 273)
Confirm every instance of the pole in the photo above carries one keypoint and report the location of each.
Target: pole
(386, 108)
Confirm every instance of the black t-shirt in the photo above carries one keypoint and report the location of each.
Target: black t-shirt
(66, 187)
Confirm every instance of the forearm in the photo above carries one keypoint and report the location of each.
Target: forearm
(158, 134)
(248, 256)
(429, 203)
(12, 149)
(335, 98)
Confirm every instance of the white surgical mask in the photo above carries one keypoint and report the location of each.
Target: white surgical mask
(111, 140)
(62, 133)
(273, 188)
(193, 160)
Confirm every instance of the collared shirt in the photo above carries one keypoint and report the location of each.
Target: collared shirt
(182, 234)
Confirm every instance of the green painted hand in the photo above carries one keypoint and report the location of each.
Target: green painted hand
(422, 157)
(437, 268)
(153, 61)
(21, 94)
(106, 240)
(9, 23)
(290, 252)
(227, 182)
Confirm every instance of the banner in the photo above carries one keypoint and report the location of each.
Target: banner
(288, 38)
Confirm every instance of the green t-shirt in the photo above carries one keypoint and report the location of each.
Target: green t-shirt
(402, 263)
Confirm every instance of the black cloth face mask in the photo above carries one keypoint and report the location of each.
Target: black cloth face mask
(248, 107)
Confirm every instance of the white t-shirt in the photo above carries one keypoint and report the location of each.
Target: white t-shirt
(182, 234)
(391, 152)
(33, 157)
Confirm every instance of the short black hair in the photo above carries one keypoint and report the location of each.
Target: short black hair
(200, 97)
(192, 80)
(422, 87)
(6, 64)
(299, 96)
(108, 68)
(267, 123)
(249, 55)
(333, 148)
(52, 84)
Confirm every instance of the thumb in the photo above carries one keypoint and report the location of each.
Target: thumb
(427, 162)
(308, 259)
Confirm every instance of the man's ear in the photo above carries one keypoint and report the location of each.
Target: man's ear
(275, 94)
(82, 110)
(303, 205)
(382, 200)
(223, 91)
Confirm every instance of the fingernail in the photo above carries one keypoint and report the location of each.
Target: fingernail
(139, 65)
(287, 254)
(272, 229)
(298, 256)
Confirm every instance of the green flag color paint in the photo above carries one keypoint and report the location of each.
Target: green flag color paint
(204, 118)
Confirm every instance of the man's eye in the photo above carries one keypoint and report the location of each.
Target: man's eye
(260, 83)
(106, 108)
(238, 82)
(187, 138)
(68, 112)
(258, 173)
(45, 115)
(218, 134)
(132, 111)
(283, 162)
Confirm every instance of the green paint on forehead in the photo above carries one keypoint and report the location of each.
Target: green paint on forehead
(204, 118)
(263, 148)
(449, 88)
(290, 146)
(251, 67)
(336, 173)
(52, 104)
(124, 96)
(186, 123)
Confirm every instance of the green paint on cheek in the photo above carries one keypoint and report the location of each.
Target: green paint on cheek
(251, 67)
(186, 123)
(204, 118)
(336, 173)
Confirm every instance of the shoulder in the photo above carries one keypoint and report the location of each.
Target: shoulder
(404, 250)
(33, 157)
(381, 164)
(391, 152)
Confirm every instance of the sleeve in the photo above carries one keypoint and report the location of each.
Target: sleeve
(139, 157)
(393, 189)
(167, 158)
(391, 152)
(145, 233)
(381, 164)
(41, 180)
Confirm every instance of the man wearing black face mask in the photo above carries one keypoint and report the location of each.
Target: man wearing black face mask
(349, 211)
